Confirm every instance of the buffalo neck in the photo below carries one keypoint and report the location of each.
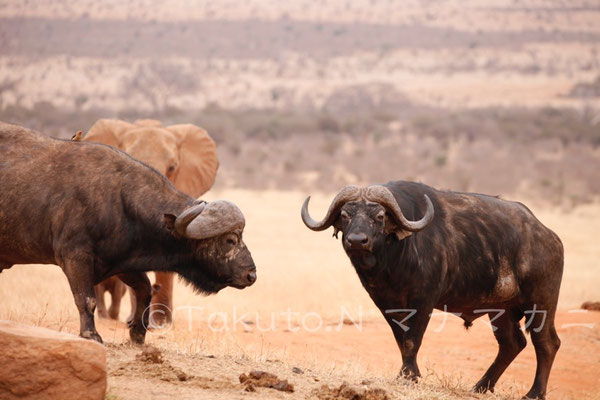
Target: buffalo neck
(396, 261)
(142, 241)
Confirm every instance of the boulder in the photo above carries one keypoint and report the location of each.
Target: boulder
(38, 363)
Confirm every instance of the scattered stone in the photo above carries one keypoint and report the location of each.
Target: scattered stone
(591, 305)
(347, 392)
(39, 363)
(297, 370)
(150, 354)
(151, 363)
(265, 379)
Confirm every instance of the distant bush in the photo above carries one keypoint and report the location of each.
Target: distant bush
(586, 89)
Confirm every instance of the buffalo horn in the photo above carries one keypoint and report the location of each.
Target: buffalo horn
(383, 196)
(348, 193)
(187, 216)
(217, 217)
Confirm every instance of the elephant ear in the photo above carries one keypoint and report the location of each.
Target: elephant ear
(108, 131)
(198, 162)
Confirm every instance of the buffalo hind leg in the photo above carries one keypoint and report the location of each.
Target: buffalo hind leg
(82, 286)
(139, 282)
(546, 343)
(511, 341)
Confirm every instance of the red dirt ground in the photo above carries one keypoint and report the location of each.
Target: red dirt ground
(451, 354)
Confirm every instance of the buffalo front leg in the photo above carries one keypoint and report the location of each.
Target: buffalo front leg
(81, 281)
(140, 284)
(409, 325)
(511, 341)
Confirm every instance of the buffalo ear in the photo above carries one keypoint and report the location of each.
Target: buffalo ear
(337, 226)
(170, 222)
(401, 234)
(391, 227)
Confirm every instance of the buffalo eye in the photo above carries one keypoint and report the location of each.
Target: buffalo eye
(232, 240)
(381, 216)
(345, 215)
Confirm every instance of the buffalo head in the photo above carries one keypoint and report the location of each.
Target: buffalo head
(366, 217)
(217, 255)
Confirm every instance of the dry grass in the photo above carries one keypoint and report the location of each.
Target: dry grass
(298, 269)
(305, 272)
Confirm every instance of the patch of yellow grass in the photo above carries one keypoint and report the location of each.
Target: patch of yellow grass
(298, 270)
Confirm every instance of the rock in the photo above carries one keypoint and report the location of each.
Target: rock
(347, 392)
(38, 363)
(265, 379)
(591, 305)
(150, 354)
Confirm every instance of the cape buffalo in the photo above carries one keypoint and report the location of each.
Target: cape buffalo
(97, 212)
(416, 248)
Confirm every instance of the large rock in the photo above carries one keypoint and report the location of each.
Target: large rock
(38, 363)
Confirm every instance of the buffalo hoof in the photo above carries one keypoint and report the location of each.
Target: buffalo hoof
(408, 376)
(533, 396)
(482, 386)
(91, 335)
(137, 335)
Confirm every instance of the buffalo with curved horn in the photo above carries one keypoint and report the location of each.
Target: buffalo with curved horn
(416, 248)
(99, 213)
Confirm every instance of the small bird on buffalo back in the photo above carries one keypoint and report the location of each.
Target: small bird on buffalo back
(77, 137)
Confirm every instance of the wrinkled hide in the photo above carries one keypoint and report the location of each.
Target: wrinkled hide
(96, 213)
(471, 255)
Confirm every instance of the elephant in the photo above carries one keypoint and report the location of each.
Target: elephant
(187, 156)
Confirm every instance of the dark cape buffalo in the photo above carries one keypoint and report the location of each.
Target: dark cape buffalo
(416, 248)
(97, 212)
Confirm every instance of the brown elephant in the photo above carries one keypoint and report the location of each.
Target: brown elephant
(187, 156)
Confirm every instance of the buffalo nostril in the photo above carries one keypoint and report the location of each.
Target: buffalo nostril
(251, 277)
(358, 240)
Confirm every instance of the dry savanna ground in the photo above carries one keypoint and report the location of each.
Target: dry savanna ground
(493, 96)
(302, 313)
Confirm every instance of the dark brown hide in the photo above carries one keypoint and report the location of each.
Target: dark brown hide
(96, 212)
(479, 255)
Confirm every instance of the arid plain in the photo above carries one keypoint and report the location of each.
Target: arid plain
(302, 311)
(500, 97)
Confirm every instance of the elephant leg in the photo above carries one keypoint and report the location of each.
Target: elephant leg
(139, 282)
(117, 291)
(162, 299)
(133, 302)
(99, 290)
